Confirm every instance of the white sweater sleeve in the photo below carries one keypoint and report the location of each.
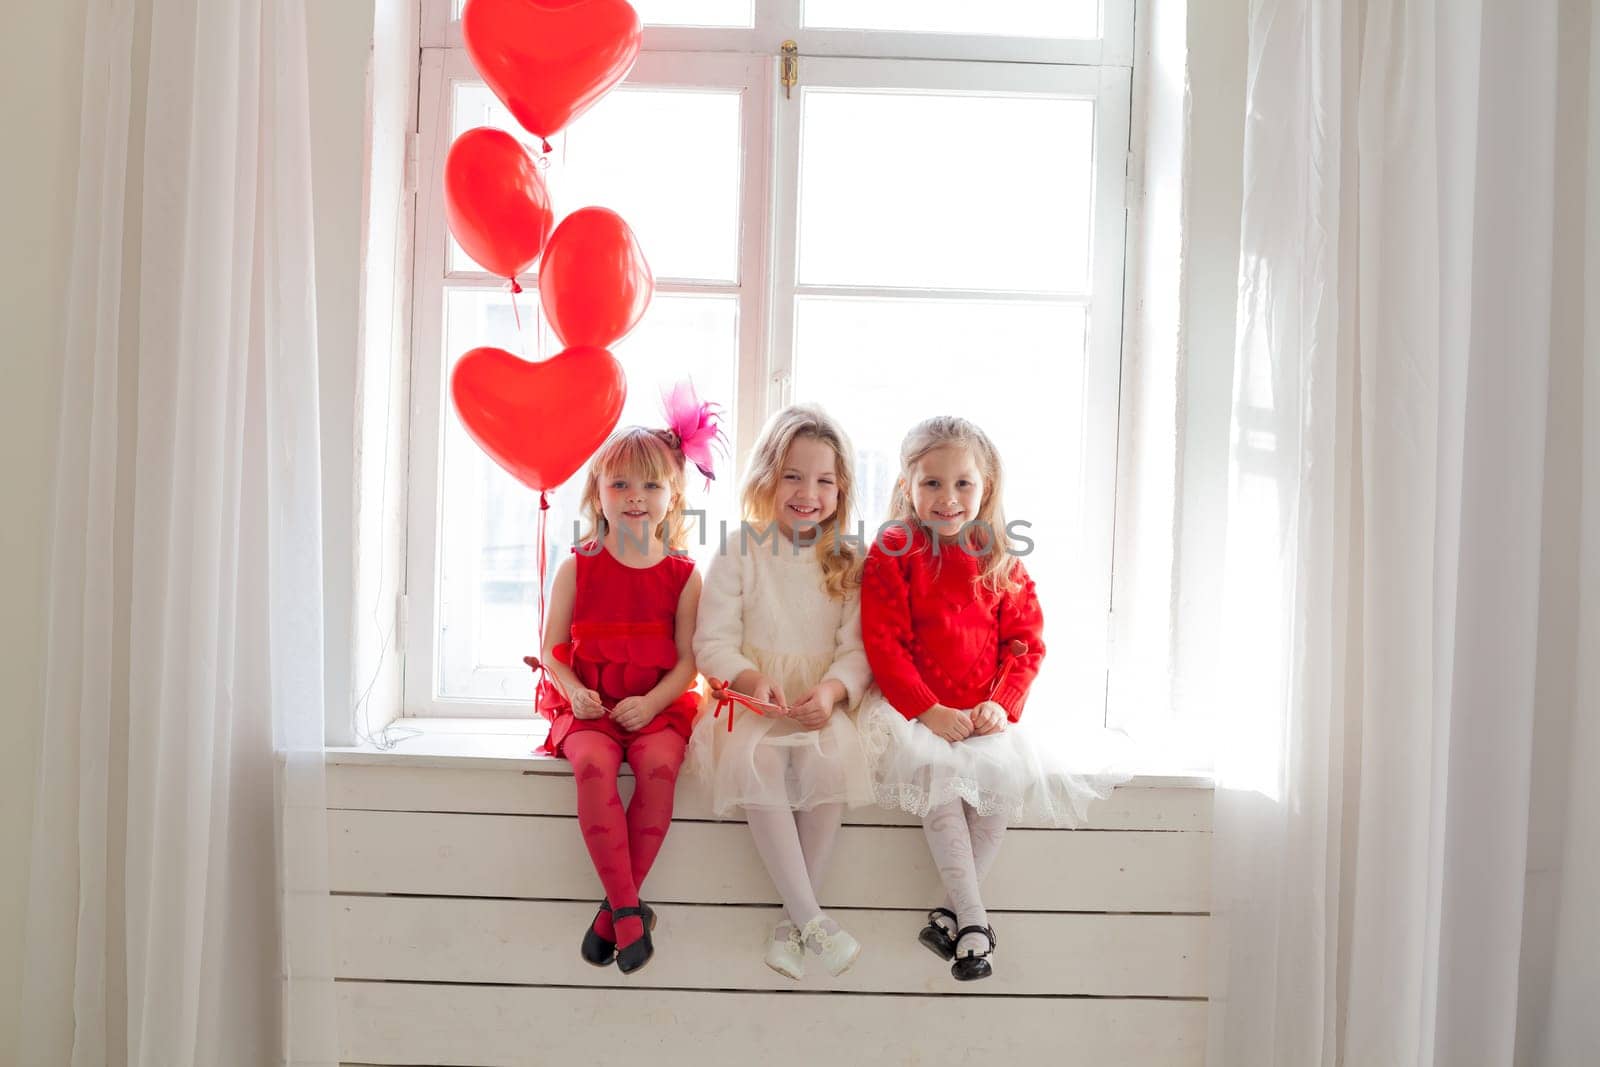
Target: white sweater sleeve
(850, 656)
(719, 628)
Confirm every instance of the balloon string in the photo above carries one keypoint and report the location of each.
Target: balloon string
(544, 512)
(516, 315)
(538, 331)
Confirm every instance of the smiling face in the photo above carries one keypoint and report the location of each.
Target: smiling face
(807, 493)
(633, 504)
(946, 489)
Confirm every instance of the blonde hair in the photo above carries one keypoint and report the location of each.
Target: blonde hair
(944, 431)
(841, 563)
(643, 455)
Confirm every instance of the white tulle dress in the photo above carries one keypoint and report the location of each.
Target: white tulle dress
(770, 612)
(1032, 776)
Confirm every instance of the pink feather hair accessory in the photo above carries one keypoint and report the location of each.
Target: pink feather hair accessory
(697, 426)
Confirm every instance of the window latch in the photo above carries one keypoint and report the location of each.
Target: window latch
(789, 69)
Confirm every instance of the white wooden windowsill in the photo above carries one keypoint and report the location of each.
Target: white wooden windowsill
(461, 885)
(510, 744)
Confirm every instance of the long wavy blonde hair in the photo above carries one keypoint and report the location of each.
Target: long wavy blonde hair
(640, 454)
(841, 563)
(944, 431)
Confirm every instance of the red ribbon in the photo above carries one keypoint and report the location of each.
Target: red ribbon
(727, 698)
(540, 536)
(1013, 650)
(514, 288)
(542, 548)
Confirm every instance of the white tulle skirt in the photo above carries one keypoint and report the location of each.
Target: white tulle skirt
(1016, 772)
(773, 762)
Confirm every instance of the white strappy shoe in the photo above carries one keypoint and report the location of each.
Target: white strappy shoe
(786, 952)
(824, 939)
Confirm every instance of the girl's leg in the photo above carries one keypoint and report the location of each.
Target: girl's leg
(777, 839)
(950, 842)
(986, 831)
(819, 829)
(655, 759)
(595, 760)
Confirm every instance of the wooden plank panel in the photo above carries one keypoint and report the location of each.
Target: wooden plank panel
(400, 788)
(513, 1026)
(520, 942)
(542, 857)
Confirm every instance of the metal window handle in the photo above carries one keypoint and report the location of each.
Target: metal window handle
(789, 69)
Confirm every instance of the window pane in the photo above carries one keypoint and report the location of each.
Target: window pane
(1009, 18)
(905, 360)
(946, 190)
(696, 12)
(488, 565)
(678, 12)
(666, 160)
(1015, 369)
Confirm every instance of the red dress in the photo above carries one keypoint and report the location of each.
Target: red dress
(624, 621)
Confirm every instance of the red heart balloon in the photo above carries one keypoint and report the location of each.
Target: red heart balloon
(593, 282)
(495, 201)
(540, 421)
(548, 62)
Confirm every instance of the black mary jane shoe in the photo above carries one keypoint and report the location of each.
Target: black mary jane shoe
(632, 957)
(936, 938)
(596, 950)
(599, 952)
(635, 955)
(971, 966)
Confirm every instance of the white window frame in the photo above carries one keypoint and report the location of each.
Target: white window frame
(779, 20)
(769, 155)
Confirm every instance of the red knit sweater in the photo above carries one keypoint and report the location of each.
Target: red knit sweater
(935, 636)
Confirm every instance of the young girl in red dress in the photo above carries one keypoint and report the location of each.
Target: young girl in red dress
(618, 644)
(955, 636)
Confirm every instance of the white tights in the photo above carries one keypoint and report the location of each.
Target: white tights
(795, 847)
(964, 845)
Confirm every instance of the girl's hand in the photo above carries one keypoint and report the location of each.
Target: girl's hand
(952, 724)
(633, 713)
(757, 685)
(988, 718)
(586, 704)
(815, 708)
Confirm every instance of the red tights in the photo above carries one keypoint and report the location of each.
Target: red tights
(624, 846)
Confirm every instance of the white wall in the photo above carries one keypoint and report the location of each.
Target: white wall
(40, 71)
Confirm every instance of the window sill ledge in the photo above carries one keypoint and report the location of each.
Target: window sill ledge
(511, 744)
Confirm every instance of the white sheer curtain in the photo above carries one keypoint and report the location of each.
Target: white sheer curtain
(178, 908)
(1406, 823)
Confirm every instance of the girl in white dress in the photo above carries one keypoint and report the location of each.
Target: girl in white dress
(780, 625)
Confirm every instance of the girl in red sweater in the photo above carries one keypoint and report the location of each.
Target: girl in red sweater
(618, 644)
(955, 636)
